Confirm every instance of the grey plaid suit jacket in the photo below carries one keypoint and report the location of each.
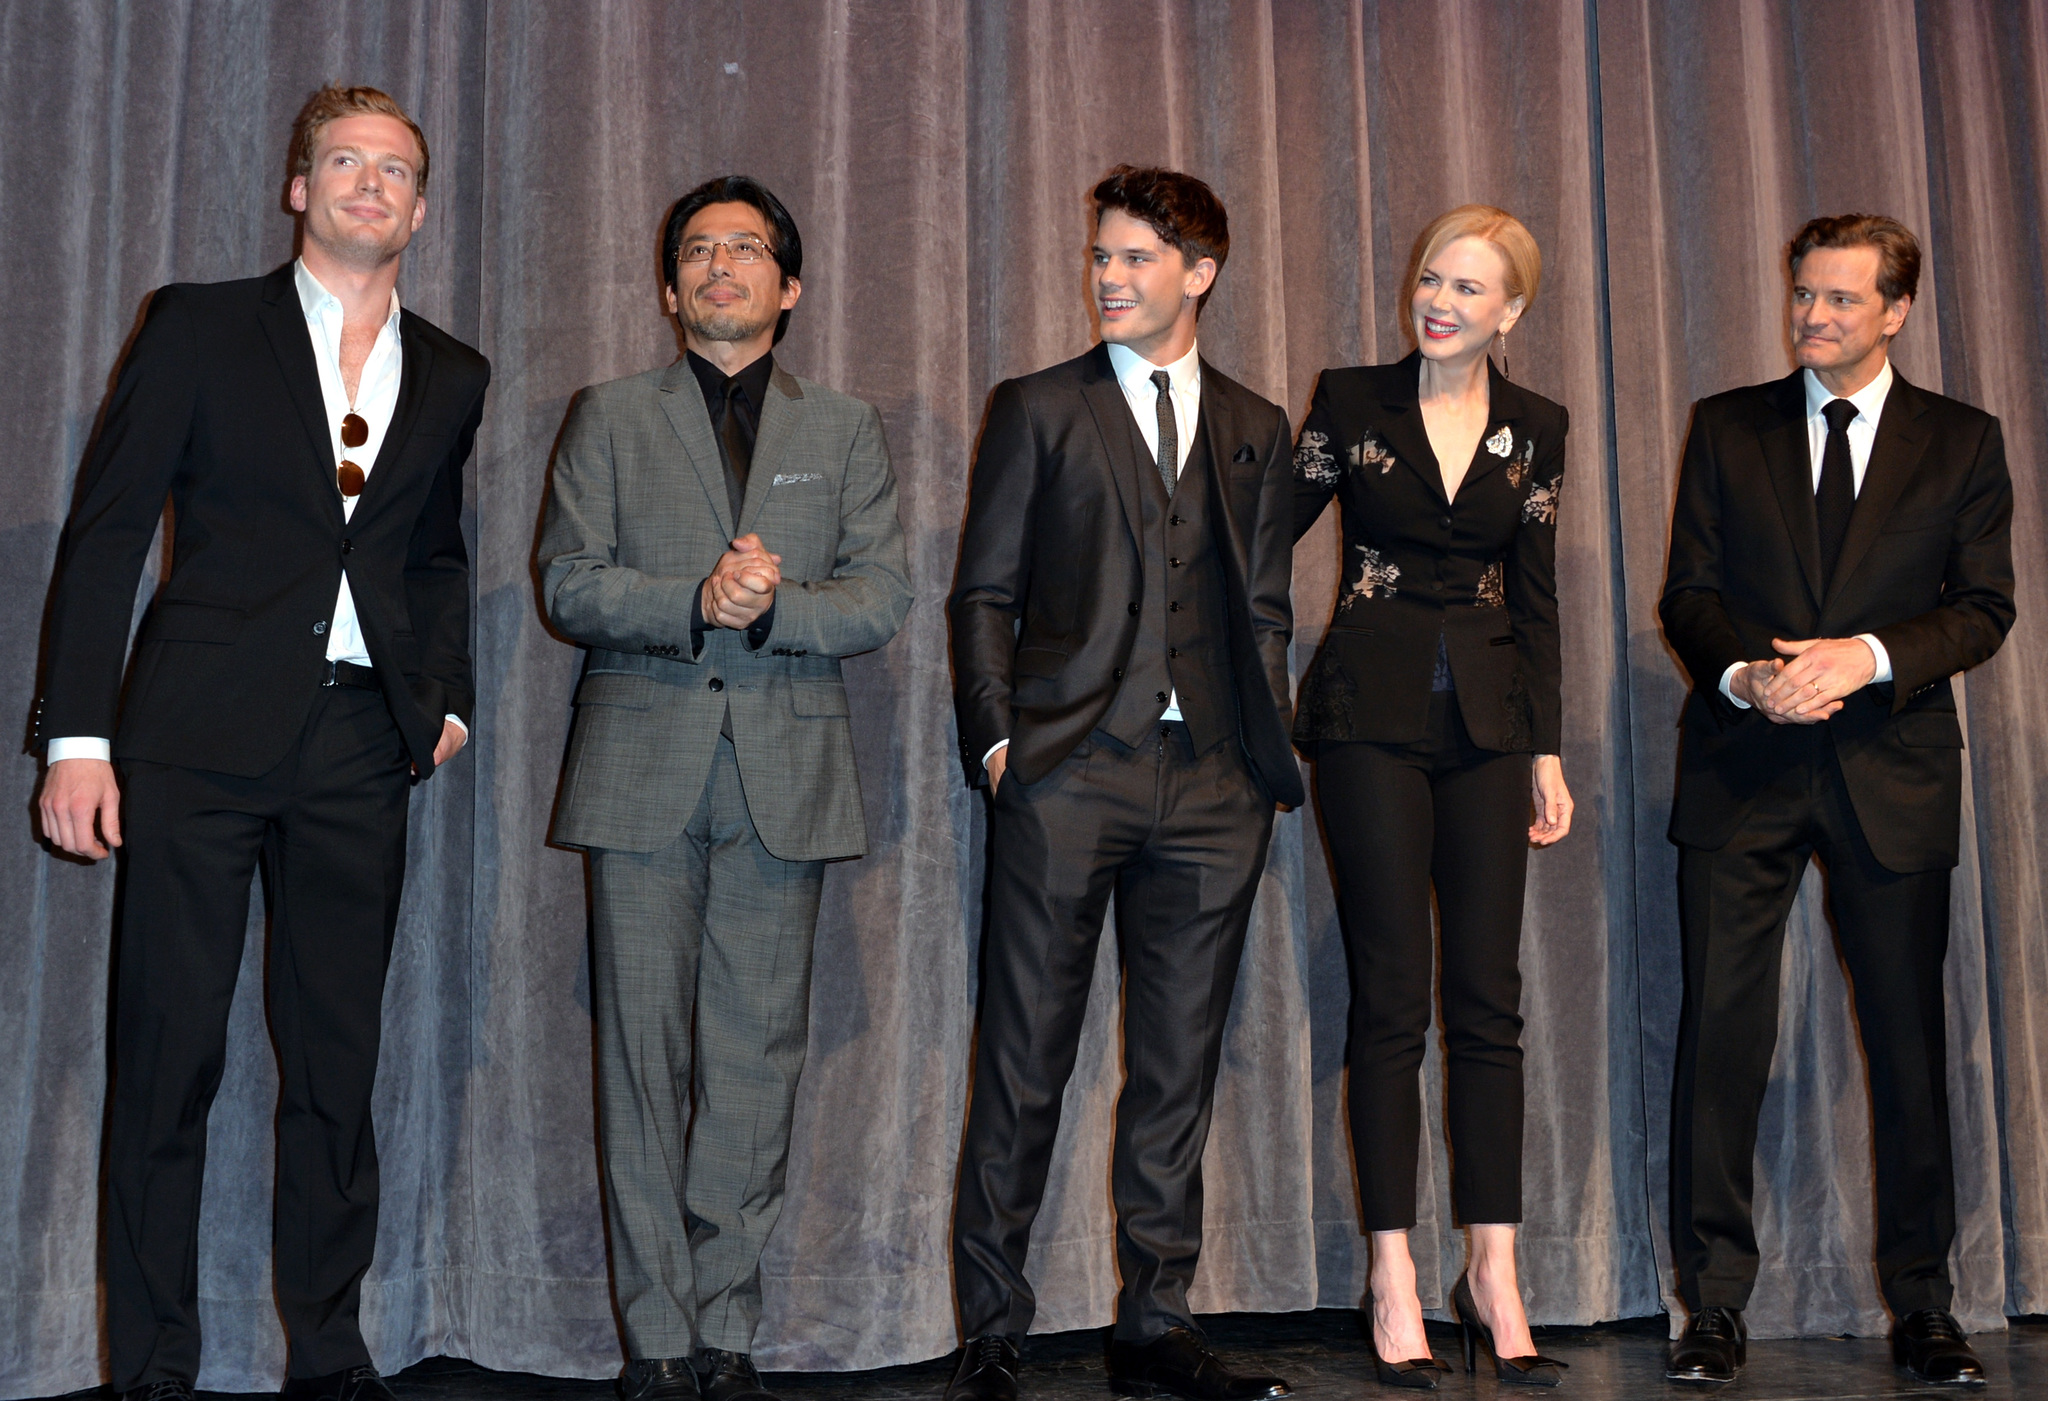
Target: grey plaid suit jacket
(637, 516)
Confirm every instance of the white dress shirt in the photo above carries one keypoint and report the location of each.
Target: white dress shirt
(1869, 402)
(1134, 374)
(376, 400)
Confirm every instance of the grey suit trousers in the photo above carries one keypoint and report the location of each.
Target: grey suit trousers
(702, 973)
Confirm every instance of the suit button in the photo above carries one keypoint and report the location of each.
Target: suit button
(717, 684)
(1173, 651)
(1117, 674)
(1162, 696)
(1175, 562)
(348, 547)
(1134, 610)
(1444, 521)
(320, 629)
(1173, 607)
(1175, 520)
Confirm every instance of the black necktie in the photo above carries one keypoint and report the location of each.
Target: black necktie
(1169, 433)
(735, 433)
(1835, 501)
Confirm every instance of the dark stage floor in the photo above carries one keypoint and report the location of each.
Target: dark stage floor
(1322, 1355)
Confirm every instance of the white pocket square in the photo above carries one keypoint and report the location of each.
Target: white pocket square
(792, 478)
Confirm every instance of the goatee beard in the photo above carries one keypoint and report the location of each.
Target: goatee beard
(724, 325)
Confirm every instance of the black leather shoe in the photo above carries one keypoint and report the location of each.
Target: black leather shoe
(729, 1376)
(1930, 1344)
(1178, 1363)
(987, 1370)
(1713, 1348)
(169, 1389)
(354, 1384)
(658, 1379)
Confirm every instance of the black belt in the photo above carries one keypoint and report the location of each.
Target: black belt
(349, 674)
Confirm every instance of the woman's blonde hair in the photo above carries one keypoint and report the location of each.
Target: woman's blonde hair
(1519, 256)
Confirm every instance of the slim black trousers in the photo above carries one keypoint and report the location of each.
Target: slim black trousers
(328, 827)
(1401, 818)
(1180, 839)
(1892, 930)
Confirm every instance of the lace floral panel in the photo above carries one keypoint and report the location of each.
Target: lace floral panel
(1371, 451)
(1491, 591)
(1541, 506)
(1313, 463)
(1376, 575)
(1518, 465)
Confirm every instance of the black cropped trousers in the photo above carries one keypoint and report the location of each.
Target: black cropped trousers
(1401, 818)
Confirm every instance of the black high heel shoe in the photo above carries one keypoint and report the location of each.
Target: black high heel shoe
(1415, 1374)
(1533, 1370)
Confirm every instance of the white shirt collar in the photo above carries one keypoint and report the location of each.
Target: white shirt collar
(1135, 372)
(1869, 400)
(315, 299)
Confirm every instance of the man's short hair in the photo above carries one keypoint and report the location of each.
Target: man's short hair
(334, 102)
(1182, 210)
(1898, 252)
(785, 244)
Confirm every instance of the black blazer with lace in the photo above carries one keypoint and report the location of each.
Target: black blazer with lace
(1479, 572)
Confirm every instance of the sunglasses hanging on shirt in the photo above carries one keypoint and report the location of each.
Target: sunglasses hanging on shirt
(348, 476)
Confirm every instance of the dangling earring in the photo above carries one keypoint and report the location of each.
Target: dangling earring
(1504, 356)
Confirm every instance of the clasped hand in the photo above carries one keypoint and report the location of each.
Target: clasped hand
(742, 585)
(1808, 682)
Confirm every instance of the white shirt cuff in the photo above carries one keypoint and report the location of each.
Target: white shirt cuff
(999, 744)
(1729, 675)
(458, 725)
(80, 747)
(1884, 658)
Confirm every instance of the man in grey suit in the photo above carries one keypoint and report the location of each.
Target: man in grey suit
(719, 533)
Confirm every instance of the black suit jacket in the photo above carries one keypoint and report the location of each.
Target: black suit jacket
(1480, 571)
(218, 405)
(1045, 602)
(1926, 568)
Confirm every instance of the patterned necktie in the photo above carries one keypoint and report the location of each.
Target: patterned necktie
(739, 446)
(1169, 433)
(1835, 500)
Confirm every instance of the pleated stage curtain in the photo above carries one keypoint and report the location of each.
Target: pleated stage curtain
(937, 154)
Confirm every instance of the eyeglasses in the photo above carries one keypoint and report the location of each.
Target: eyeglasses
(740, 250)
(348, 476)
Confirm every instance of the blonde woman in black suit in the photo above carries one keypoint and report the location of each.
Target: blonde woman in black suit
(1436, 685)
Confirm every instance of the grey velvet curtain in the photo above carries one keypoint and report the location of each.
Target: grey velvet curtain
(936, 154)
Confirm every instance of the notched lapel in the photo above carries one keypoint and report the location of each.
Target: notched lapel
(1405, 433)
(682, 400)
(1895, 454)
(415, 372)
(1119, 434)
(1218, 425)
(780, 418)
(284, 324)
(1506, 410)
(1788, 458)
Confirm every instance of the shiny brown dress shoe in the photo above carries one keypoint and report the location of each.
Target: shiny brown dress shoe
(1179, 1363)
(1931, 1345)
(1712, 1349)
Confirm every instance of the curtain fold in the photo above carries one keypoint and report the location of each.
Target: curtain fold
(937, 156)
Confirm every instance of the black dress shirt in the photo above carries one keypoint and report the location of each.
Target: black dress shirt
(753, 382)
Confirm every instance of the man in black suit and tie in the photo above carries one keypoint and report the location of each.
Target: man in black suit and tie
(1841, 546)
(1120, 624)
(306, 659)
